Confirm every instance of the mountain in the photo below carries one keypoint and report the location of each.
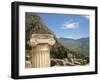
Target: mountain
(77, 45)
(68, 41)
(74, 41)
(35, 25)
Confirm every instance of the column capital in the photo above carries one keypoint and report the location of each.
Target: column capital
(41, 39)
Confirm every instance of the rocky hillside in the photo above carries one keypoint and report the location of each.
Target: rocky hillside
(34, 24)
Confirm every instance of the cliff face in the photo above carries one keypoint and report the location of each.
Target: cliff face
(35, 25)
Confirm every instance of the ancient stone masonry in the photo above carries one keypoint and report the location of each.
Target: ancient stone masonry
(40, 44)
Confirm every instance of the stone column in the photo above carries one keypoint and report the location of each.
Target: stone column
(40, 44)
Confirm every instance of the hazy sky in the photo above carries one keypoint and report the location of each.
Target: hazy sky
(67, 25)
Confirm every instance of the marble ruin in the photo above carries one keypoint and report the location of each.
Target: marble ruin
(41, 44)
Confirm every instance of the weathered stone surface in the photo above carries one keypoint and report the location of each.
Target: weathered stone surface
(53, 62)
(57, 62)
(28, 64)
(41, 39)
(40, 44)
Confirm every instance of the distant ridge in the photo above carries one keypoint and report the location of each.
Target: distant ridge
(80, 45)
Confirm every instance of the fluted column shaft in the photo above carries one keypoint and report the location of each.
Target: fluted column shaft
(40, 44)
(41, 56)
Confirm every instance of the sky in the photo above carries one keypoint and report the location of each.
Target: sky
(67, 25)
